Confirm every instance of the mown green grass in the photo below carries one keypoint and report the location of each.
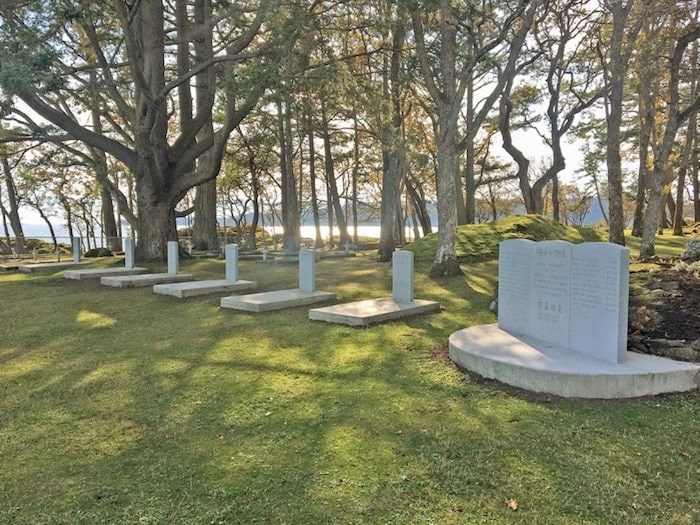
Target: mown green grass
(121, 406)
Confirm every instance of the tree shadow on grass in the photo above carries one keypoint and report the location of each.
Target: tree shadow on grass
(179, 412)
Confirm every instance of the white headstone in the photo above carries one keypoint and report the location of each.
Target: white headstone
(514, 285)
(402, 276)
(76, 249)
(574, 296)
(129, 252)
(549, 304)
(599, 300)
(231, 256)
(307, 270)
(173, 257)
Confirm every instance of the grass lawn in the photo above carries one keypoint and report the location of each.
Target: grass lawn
(122, 406)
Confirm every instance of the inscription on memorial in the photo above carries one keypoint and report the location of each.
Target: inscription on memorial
(575, 296)
(551, 263)
(599, 296)
(514, 281)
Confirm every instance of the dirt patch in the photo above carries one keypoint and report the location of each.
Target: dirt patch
(664, 317)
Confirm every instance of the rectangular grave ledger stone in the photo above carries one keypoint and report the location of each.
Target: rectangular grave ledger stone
(173, 257)
(402, 276)
(550, 297)
(231, 257)
(514, 285)
(307, 270)
(129, 250)
(599, 300)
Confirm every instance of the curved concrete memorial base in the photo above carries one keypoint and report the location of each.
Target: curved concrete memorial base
(537, 366)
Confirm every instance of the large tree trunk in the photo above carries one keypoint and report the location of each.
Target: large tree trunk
(615, 77)
(391, 201)
(13, 212)
(523, 163)
(469, 213)
(205, 235)
(460, 192)
(556, 211)
(251, 243)
(646, 115)
(446, 262)
(109, 224)
(680, 184)
(318, 243)
(695, 170)
(355, 175)
(291, 240)
(392, 146)
(204, 232)
(675, 118)
(415, 192)
(156, 225)
(330, 178)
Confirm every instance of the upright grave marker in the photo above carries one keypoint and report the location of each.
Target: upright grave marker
(231, 258)
(129, 250)
(279, 299)
(150, 279)
(402, 276)
(173, 257)
(370, 311)
(76, 249)
(230, 283)
(97, 273)
(307, 270)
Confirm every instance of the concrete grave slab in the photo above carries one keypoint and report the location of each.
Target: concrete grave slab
(150, 279)
(146, 279)
(276, 300)
(193, 288)
(371, 311)
(97, 273)
(305, 295)
(44, 267)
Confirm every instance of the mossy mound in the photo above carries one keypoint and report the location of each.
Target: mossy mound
(98, 252)
(480, 241)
